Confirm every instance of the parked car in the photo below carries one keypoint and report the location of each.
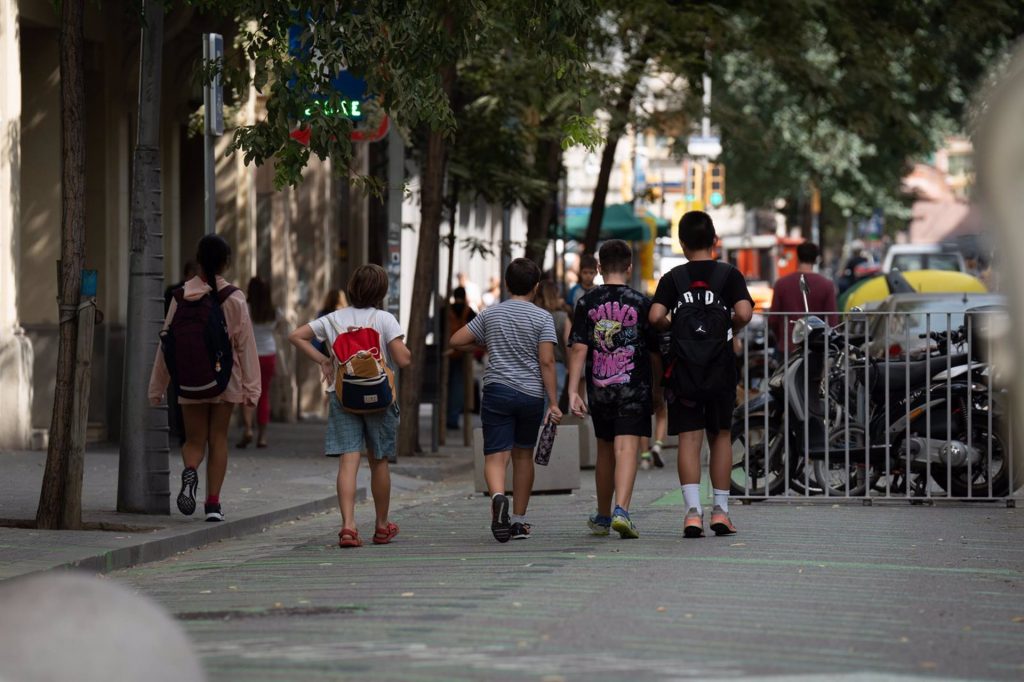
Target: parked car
(907, 257)
(905, 317)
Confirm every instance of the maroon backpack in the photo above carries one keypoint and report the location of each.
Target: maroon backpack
(197, 347)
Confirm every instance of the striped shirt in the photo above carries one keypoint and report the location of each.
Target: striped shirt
(511, 331)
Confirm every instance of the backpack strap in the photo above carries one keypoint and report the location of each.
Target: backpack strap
(682, 279)
(718, 277)
(225, 293)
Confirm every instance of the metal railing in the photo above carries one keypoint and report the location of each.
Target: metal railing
(880, 405)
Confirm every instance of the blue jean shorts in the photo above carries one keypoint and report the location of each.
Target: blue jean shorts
(347, 432)
(511, 419)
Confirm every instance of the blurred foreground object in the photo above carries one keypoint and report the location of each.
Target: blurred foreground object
(999, 145)
(73, 626)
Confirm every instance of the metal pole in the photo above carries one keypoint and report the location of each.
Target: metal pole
(506, 246)
(396, 181)
(209, 181)
(213, 119)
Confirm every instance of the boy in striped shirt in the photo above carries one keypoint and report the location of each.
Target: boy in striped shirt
(520, 379)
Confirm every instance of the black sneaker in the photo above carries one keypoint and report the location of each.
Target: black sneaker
(500, 526)
(213, 512)
(520, 531)
(187, 496)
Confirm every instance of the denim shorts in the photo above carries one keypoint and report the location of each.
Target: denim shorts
(511, 419)
(347, 432)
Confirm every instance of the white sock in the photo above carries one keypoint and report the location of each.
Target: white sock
(722, 499)
(691, 497)
(516, 518)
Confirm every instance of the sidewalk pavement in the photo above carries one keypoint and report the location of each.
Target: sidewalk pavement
(289, 479)
(805, 591)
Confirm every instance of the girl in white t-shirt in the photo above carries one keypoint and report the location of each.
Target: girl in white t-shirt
(349, 435)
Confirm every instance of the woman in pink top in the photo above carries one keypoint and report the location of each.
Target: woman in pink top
(206, 421)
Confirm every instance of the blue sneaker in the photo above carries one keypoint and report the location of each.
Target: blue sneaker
(600, 525)
(623, 525)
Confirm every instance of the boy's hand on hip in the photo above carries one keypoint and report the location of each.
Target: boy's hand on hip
(577, 406)
(326, 370)
(554, 415)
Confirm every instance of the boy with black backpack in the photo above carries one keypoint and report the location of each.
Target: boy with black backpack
(704, 303)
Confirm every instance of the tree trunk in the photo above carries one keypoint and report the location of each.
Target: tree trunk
(55, 494)
(541, 213)
(425, 279)
(442, 419)
(142, 485)
(617, 125)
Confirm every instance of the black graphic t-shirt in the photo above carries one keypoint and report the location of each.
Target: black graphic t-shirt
(612, 320)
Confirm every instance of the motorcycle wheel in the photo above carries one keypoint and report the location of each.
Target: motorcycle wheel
(765, 468)
(995, 469)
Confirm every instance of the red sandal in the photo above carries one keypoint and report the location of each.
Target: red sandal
(384, 535)
(349, 538)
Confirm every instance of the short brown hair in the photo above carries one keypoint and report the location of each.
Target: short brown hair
(367, 286)
(616, 256)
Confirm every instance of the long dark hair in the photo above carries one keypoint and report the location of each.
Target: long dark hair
(261, 308)
(212, 254)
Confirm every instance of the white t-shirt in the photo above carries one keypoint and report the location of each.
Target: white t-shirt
(328, 327)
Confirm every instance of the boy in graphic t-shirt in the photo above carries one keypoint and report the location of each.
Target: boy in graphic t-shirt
(612, 337)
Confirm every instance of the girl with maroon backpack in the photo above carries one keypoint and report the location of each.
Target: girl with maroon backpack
(208, 350)
(366, 344)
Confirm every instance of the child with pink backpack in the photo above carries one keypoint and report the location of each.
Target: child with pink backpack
(366, 345)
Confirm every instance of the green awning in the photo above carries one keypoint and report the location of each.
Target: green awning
(664, 224)
(618, 223)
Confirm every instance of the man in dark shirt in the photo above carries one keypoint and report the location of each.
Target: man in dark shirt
(690, 416)
(612, 336)
(787, 298)
(459, 315)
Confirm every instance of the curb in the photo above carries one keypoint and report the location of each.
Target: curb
(208, 533)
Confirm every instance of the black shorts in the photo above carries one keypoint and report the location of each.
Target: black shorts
(608, 424)
(712, 414)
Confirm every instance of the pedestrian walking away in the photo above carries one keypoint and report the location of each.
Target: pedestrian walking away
(520, 339)
(460, 313)
(549, 299)
(787, 297)
(208, 352)
(267, 321)
(375, 345)
(614, 341)
(704, 303)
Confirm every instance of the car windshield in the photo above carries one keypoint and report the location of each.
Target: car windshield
(906, 262)
(943, 261)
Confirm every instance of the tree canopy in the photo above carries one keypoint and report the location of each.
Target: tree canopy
(844, 95)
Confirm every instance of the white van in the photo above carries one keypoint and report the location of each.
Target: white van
(907, 257)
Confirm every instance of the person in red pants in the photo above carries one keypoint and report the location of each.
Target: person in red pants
(265, 321)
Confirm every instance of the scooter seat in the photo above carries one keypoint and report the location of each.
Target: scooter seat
(915, 371)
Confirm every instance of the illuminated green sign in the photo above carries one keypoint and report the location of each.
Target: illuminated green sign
(349, 108)
(717, 199)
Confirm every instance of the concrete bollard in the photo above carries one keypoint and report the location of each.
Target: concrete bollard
(73, 626)
(588, 442)
(562, 474)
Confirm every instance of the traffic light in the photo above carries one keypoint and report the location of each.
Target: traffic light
(695, 184)
(714, 185)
